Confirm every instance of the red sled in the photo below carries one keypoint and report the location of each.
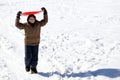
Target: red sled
(30, 12)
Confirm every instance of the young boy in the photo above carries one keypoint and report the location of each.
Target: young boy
(32, 30)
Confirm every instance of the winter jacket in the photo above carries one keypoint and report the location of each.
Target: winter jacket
(32, 34)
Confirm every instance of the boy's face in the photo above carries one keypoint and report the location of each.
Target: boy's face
(32, 20)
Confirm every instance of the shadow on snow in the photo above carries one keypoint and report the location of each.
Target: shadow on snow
(111, 73)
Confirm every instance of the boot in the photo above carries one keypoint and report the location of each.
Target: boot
(33, 70)
(27, 68)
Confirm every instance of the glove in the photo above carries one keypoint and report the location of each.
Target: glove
(18, 14)
(45, 11)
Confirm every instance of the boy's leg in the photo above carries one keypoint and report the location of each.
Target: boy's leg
(34, 61)
(28, 57)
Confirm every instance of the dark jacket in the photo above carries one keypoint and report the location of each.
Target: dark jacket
(32, 34)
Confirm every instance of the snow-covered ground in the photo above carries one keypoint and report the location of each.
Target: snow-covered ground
(80, 42)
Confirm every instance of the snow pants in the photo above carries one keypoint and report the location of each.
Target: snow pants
(31, 55)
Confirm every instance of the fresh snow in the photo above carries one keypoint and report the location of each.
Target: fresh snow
(80, 41)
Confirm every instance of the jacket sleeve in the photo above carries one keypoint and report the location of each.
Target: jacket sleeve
(18, 24)
(44, 21)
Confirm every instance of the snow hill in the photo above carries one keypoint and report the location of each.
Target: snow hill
(80, 42)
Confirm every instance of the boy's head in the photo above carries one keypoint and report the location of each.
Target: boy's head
(31, 19)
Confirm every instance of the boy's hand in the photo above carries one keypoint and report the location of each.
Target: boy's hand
(45, 11)
(18, 14)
